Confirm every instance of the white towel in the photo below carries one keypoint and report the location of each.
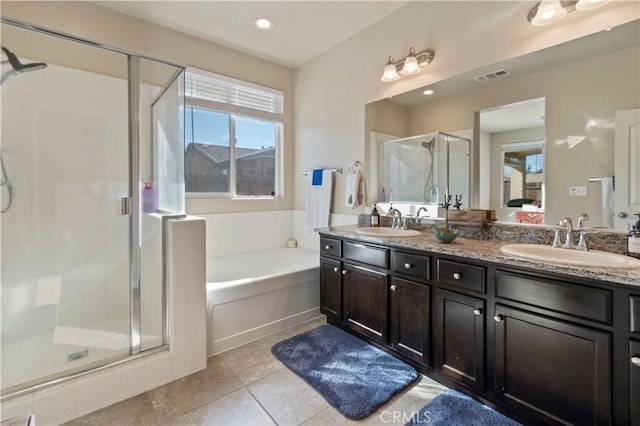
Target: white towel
(608, 202)
(318, 201)
(351, 190)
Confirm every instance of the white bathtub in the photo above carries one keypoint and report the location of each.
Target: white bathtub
(255, 294)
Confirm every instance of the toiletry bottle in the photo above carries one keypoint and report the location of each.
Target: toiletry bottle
(633, 240)
(375, 217)
(390, 194)
(382, 195)
(149, 198)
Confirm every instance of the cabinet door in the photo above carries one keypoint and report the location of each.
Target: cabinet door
(331, 288)
(634, 376)
(365, 301)
(410, 319)
(459, 333)
(551, 368)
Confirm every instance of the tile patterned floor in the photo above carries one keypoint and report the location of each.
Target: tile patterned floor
(248, 386)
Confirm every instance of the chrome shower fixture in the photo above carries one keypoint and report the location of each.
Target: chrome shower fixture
(17, 66)
(429, 145)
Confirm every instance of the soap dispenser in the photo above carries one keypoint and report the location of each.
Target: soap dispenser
(633, 239)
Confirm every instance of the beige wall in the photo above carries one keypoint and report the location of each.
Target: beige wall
(105, 26)
(333, 88)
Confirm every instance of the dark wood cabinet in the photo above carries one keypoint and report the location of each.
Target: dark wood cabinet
(459, 338)
(365, 301)
(634, 381)
(331, 288)
(552, 369)
(409, 319)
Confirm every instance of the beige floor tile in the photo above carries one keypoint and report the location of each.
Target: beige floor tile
(287, 398)
(254, 361)
(330, 417)
(133, 411)
(193, 391)
(236, 408)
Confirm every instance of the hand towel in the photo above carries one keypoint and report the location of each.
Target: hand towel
(317, 177)
(318, 201)
(608, 202)
(351, 191)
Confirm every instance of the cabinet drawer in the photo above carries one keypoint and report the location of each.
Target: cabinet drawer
(367, 254)
(570, 299)
(415, 265)
(330, 247)
(461, 275)
(634, 302)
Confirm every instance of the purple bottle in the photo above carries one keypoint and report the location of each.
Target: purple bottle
(149, 198)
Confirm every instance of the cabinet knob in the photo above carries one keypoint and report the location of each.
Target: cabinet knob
(344, 272)
(407, 265)
(335, 269)
(328, 247)
(477, 312)
(393, 287)
(635, 361)
(457, 275)
(498, 318)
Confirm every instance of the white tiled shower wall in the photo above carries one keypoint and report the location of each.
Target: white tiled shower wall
(186, 280)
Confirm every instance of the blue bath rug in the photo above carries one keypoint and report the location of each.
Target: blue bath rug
(454, 408)
(353, 376)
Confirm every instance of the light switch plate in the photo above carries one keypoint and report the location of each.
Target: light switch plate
(578, 191)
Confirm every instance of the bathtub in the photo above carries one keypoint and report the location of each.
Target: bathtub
(252, 295)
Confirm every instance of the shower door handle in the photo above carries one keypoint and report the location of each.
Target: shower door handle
(125, 206)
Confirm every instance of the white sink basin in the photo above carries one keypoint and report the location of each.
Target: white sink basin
(387, 232)
(593, 258)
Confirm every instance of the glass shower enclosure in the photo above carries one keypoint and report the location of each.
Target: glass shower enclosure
(83, 127)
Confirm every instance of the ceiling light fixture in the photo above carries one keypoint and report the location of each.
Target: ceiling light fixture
(549, 11)
(263, 23)
(412, 64)
(428, 92)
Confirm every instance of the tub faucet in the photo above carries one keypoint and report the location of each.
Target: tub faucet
(566, 222)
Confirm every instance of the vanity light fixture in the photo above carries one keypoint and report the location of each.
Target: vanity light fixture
(549, 11)
(410, 65)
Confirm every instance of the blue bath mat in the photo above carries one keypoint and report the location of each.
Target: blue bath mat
(454, 408)
(353, 376)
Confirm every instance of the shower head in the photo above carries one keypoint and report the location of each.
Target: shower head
(429, 145)
(17, 66)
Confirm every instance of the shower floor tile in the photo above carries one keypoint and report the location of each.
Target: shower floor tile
(246, 386)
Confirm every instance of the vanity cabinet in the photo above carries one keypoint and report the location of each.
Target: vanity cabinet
(634, 381)
(365, 301)
(552, 369)
(537, 345)
(460, 338)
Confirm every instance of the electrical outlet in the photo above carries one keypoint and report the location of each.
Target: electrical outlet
(578, 191)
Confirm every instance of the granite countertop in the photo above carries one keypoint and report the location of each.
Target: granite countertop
(489, 251)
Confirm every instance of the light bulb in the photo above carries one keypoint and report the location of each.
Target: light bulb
(411, 64)
(590, 4)
(549, 11)
(390, 72)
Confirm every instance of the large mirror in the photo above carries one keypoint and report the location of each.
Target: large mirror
(554, 111)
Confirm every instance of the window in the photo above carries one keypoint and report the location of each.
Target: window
(523, 174)
(233, 137)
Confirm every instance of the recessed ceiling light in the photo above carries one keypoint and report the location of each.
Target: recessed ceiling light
(428, 92)
(263, 23)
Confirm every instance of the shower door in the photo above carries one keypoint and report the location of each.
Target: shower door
(65, 242)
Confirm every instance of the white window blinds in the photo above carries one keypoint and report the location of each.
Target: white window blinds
(226, 94)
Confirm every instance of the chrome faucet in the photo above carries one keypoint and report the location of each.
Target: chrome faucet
(397, 218)
(583, 218)
(568, 242)
(420, 210)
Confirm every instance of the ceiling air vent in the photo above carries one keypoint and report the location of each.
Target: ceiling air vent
(491, 75)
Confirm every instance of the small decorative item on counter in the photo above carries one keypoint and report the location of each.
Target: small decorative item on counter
(633, 240)
(445, 234)
(149, 198)
(375, 217)
(458, 202)
(382, 195)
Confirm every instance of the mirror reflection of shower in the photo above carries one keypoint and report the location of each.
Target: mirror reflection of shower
(17, 67)
(431, 193)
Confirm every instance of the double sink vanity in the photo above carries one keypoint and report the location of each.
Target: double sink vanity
(552, 342)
